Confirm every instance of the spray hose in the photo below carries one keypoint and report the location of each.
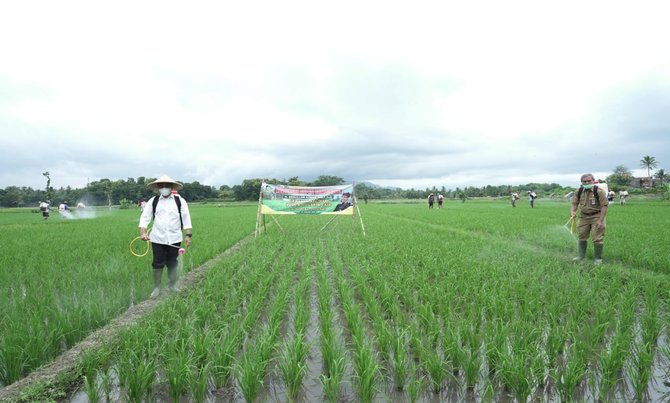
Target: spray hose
(130, 247)
(571, 225)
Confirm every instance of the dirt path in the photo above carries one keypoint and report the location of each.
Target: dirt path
(67, 361)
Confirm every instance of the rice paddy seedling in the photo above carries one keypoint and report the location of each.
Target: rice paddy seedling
(472, 367)
(639, 370)
(292, 365)
(416, 384)
(250, 373)
(198, 380)
(434, 367)
(139, 375)
(333, 379)
(93, 390)
(568, 376)
(400, 359)
(366, 371)
(223, 356)
(106, 382)
(177, 368)
(611, 362)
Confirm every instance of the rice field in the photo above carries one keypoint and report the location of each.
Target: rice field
(474, 302)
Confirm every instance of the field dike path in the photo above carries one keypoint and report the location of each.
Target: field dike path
(68, 360)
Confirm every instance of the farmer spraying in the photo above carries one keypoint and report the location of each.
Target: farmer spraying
(531, 198)
(591, 201)
(515, 197)
(170, 216)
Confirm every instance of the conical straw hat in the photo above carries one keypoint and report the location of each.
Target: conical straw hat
(166, 179)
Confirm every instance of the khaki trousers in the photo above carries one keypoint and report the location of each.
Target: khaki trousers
(587, 225)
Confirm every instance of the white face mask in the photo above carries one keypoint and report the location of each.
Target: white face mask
(165, 192)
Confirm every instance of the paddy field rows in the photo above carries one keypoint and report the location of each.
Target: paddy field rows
(474, 302)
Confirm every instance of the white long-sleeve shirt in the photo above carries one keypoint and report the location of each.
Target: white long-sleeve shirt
(167, 227)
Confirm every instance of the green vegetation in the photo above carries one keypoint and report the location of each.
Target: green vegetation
(477, 301)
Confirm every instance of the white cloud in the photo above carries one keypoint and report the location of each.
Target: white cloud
(406, 94)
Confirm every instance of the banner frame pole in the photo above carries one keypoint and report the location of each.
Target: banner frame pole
(258, 212)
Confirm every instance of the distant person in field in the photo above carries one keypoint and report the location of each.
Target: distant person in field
(431, 200)
(610, 196)
(623, 194)
(45, 208)
(531, 198)
(591, 202)
(170, 216)
(440, 200)
(345, 202)
(515, 197)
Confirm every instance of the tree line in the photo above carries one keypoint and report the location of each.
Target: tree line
(130, 191)
(119, 192)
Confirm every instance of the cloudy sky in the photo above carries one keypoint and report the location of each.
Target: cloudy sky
(408, 94)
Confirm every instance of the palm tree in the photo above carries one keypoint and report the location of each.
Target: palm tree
(662, 176)
(649, 163)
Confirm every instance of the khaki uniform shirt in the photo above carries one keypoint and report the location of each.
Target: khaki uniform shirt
(587, 202)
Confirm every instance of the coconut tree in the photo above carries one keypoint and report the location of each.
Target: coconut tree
(650, 163)
(662, 176)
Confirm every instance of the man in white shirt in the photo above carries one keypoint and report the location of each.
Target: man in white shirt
(170, 216)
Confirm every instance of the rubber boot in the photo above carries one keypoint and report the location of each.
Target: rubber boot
(158, 274)
(582, 251)
(172, 275)
(598, 253)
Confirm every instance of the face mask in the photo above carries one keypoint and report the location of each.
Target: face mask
(165, 192)
(588, 187)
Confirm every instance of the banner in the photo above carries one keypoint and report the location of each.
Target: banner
(281, 199)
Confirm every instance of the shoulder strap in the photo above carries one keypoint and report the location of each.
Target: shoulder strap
(595, 194)
(177, 200)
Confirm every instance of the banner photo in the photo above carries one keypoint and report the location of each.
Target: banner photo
(282, 199)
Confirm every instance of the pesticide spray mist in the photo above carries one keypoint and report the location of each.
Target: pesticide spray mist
(79, 212)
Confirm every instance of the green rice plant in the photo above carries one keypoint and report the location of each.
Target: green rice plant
(201, 344)
(106, 382)
(139, 373)
(292, 365)
(366, 371)
(333, 379)
(568, 376)
(198, 379)
(416, 384)
(434, 367)
(516, 374)
(329, 350)
(177, 365)
(639, 370)
(92, 388)
(400, 359)
(611, 361)
(223, 356)
(472, 367)
(250, 372)
(650, 321)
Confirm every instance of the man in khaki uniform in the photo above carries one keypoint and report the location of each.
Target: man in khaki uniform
(592, 212)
